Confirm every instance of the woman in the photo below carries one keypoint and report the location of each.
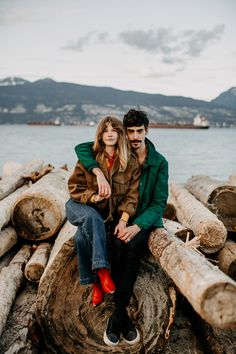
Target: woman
(93, 214)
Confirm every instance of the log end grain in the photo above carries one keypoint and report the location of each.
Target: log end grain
(69, 322)
(36, 217)
(220, 305)
(212, 235)
(222, 202)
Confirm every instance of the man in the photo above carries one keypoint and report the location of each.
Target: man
(130, 243)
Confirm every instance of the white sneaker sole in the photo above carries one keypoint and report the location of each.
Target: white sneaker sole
(107, 340)
(134, 341)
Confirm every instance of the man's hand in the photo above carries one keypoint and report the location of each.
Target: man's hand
(120, 226)
(128, 233)
(104, 189)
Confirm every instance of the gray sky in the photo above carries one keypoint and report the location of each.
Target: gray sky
(172, 47)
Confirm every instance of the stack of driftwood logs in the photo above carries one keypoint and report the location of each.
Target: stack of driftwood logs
(40, 292)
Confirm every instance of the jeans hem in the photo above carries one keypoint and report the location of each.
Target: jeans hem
(89, 280)
(100, 264)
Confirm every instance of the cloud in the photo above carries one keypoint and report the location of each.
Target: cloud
(197, 41)
(87, 39)
(173, 47)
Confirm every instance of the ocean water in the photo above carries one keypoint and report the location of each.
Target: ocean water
(189, 152)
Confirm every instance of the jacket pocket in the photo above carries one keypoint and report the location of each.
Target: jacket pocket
(120, 183)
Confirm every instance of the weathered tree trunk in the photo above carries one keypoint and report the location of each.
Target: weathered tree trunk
(215, 340)
(7, 257)
(69, 322)
(227, 259)
(7, 204)
(211, 293)
(37, 263)
(232, 179)
(21, 333)
(11, 278)
(8, 238)
(217, 197)
(178, 230)
(10, 168)
(170, 212)
(194, 215)
(40, 212)
(11, 183)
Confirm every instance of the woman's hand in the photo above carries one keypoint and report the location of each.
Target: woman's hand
(128, 233)
(104, 189)
(97, 198)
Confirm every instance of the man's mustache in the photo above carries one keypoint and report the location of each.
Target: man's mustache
(135, 141)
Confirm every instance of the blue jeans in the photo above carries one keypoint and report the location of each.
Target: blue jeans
(90, 239)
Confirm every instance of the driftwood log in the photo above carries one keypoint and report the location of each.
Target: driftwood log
(37, 263)
(217, 197)
(11, 278)
(194, 215)
(232, 179)
(227, 259)
(178, 230)
(211, 293)
(71, 325)
(11, 183)
(7, 205)
(40, 212)
(8, 239)
(21, 333)
(170, 212)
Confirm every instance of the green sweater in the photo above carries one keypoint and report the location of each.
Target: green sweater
(153, 185)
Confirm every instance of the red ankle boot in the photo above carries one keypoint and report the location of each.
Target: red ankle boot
(98, 294)
(107, 283)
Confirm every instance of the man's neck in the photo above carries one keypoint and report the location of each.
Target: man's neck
(141, 153)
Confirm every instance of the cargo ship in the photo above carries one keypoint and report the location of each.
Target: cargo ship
(199, 122)
(56, 122)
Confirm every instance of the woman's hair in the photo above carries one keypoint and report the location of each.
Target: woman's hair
(122, 149)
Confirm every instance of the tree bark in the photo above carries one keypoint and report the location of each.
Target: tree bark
(11, 278)
(69, 322)
(194, 215)
(178, 230)
(211, 293)
(37, 263)
(11, 183)
(170, 212)
(227, 259)
(217, 197)
(22, 333)
(7, 205)
(8, 239)
(40, 212)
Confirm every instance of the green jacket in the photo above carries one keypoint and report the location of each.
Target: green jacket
(153, 185)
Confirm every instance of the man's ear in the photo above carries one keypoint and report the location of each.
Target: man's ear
(146, 131)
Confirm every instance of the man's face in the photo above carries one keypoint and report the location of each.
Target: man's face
(136, 136)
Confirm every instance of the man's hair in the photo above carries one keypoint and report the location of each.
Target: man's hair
(135, 118)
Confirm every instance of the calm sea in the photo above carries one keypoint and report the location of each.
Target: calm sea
(189, 152)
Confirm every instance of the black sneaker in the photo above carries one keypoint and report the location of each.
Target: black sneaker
(129, 332)
(112, 333)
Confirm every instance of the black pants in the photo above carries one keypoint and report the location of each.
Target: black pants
(125, 265)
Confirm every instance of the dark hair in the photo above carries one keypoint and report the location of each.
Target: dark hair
(135, 118)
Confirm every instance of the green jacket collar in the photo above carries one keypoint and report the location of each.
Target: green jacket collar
(152, 154)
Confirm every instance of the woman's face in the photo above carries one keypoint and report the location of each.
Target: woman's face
(109, 135)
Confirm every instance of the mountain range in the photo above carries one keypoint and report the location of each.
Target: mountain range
(22, 101)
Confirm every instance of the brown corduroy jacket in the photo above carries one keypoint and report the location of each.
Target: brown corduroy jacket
(82, 185)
